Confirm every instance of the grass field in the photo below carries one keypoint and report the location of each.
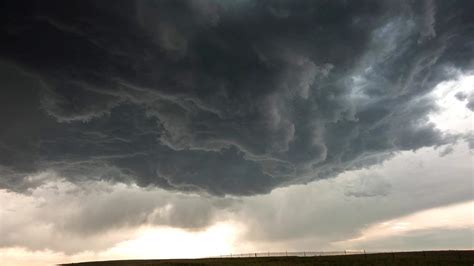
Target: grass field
(444, 258)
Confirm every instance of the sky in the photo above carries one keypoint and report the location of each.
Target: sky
(182, 129)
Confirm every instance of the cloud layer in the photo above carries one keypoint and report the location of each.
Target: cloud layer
(332, 214)
(221, 97)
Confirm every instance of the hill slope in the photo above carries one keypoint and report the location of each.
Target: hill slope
(453, 258)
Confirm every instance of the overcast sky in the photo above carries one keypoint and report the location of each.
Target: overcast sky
(159, 129)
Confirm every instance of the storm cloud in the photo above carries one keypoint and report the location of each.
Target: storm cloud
(221, 97)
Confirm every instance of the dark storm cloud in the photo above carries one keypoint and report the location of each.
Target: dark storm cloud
(224, 97)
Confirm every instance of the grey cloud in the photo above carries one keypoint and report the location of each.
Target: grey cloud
(96, 215)
(470, 102)
(327, 213)
(461, 96)
(368, 186)
(130, 207)
(429, 20)
(447, 150)
(470, 141)
(221, 98)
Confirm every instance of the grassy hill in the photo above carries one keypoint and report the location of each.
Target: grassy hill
(441, 258)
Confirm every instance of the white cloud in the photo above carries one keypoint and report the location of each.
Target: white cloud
(453, 116)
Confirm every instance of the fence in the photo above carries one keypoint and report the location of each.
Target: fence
(295, 254)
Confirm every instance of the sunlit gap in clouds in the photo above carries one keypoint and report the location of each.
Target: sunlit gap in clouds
(168, 242)
(454, 116)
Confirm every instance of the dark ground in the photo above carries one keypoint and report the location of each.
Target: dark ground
(451, 258)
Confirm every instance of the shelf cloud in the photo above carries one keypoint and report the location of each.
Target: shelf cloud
(222, 97)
